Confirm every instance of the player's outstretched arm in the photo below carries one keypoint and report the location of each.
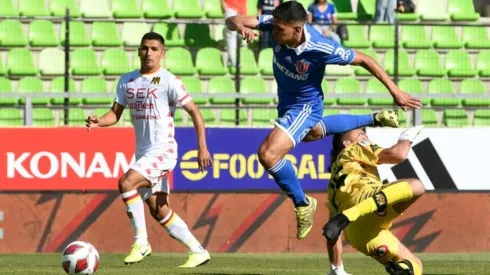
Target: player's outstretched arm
(108, 119)
(402, 99)
(203, 156)
(399, 152)
(244, 25)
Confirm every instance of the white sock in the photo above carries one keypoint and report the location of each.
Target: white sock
(177, 228)
(136, 213)
(339, 268)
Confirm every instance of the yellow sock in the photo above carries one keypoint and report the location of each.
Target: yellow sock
(390, 195)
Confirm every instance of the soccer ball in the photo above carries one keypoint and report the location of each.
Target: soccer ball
(80, 258)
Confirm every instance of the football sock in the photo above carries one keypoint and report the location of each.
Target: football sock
(390, 195)
(136, 213)
(284, 175)
(336, 124)
(177, 229)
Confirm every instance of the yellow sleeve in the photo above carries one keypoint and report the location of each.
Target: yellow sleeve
(366, 152)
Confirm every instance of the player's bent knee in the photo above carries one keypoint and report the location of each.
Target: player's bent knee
(418, 187)
(267, 156)
(126, 183)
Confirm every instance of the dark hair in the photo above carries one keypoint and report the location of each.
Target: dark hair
(337, 147)
(290, 11)
(153, 36)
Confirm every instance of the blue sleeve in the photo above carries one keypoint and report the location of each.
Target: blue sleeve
(260, 3)
(311, 9)
(337, 54)
(265, 23)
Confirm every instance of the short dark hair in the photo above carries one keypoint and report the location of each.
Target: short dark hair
(153, 36)
(338, 146)
(290, 11)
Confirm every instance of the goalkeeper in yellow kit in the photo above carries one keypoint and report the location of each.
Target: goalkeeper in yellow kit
(364, 206)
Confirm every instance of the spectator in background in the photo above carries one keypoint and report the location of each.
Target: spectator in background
(265, 7)
(323, 16)
(385, 11)
(232, 8)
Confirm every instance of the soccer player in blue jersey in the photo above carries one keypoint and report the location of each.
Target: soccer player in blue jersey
(300, 57)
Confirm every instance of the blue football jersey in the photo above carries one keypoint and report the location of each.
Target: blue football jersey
(299, 71)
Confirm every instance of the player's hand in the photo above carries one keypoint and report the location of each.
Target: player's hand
(204, 159)
(411, 134)
(92, 122)
(406, 101)
(247, 34)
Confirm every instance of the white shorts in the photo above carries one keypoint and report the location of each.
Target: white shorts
(155, 166)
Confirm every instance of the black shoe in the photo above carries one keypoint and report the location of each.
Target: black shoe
(395, 269)
(334, 227)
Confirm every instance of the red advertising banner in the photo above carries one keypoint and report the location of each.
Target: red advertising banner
(64, 158)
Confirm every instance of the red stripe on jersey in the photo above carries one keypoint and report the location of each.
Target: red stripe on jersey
(182, 99)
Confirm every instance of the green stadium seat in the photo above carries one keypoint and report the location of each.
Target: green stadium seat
(366, 9)
(188, 9)
(357, 37)
(338, 70)
(42, 34)
(413, 86)
(445, 37)
(404, 66)
(429, 13)
(402, 118)
(476, 37)
(462, 10)
(58, 86)
(12, 34)
(325, 89)
(84, 62)
(170, 33)
(263, 117)
(125, 9)
(382, 36)
(254, 85)
(78, 34)
(95, 85)
(252, 8)
(179, 61)
(156, 9)
(32, 85)
(52, 62)
(178, 118)
(3, 70)
(360, 111)
(32, 8)
(374, 86)
(105, 34)
(43, 117)
(193, 86)
(415, 37)
(210, 62)
(428, 63)
(8, 8)
(455, 118)
(94, 9)
(212, 9)
(344, 10)
(458, 63)
(58, 8)
(330, 112)
(360, 70)
(429, 118)
(442, 86)
(6, 87)
(76, 117)
(198, 35)
(247, 62)
(132, 33)
(221, 84)
(473, 87)
(20, 62)
(11, 117)
(481, 118)
(115, 62)
(228, 117)
(483, 63)
(136, 61)
(209, 117)
(265, 61)
(348, 86)
(408, 16)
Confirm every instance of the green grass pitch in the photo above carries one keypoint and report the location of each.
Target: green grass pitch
(245, 264)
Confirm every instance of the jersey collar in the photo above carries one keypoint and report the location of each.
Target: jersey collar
(301, 48)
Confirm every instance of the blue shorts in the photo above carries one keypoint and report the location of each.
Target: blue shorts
(298, 120)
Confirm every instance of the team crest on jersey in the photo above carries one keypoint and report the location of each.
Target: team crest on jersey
(380, 251)
(155, 80)
(302, 66)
